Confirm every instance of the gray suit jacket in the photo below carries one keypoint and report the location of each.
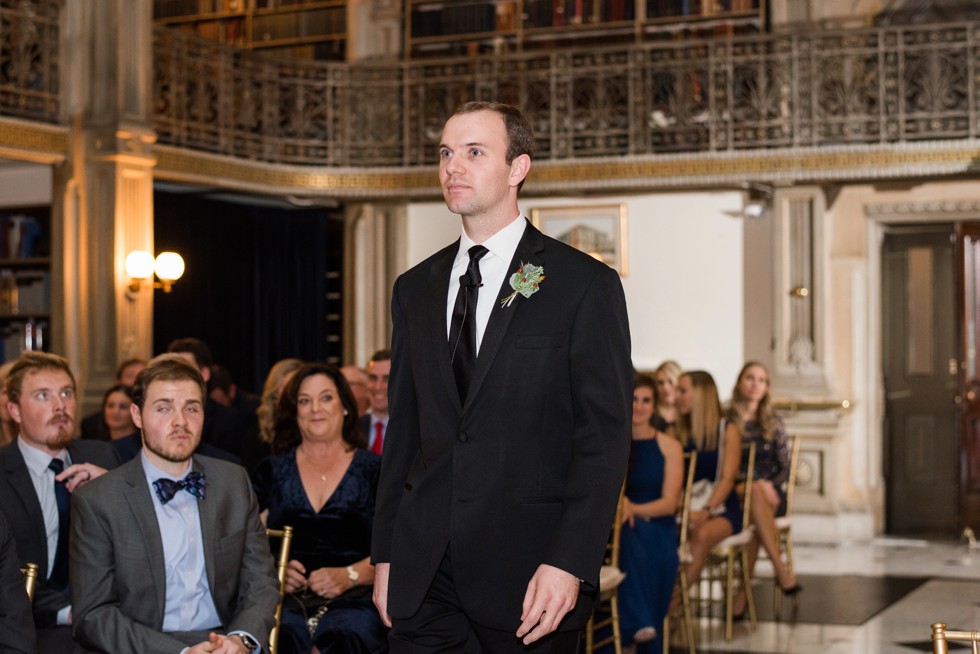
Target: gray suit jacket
(117, 564)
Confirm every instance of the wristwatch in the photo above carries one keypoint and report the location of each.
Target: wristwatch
(353, 574)
(247, 641)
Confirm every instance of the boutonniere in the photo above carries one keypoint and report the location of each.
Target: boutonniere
(525, 281)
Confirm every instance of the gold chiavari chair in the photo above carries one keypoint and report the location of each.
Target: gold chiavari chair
(784, 525)
(610, 577)
(732, 554)
(282, 562)
(941, 635)
(680, 586)
(30, 579)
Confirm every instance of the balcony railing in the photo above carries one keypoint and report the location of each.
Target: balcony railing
(787, 90)
(29, 59)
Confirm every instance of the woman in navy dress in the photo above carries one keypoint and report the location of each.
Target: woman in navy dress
(321, 481)
(718, 443)
(752, 412)
(648, 542)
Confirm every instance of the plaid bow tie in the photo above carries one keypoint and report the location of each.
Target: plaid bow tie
(194, 483)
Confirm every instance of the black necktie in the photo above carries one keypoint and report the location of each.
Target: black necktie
(462, 329)
(58, 578)
(194, 483)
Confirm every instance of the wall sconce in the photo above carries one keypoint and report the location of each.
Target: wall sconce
(140, 267)
(758, 202)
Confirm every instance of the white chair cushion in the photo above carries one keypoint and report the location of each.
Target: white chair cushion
(610, 578)
(741, 539)
(784, 522)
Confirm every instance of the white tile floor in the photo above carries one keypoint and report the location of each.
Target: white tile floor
(952, 595)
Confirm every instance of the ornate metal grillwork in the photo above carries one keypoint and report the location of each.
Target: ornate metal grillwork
(29, 59)
(868, 86)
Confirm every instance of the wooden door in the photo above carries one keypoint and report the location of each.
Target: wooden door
(920, 356)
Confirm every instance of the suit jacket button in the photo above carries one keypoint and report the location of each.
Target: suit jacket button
(463, 437)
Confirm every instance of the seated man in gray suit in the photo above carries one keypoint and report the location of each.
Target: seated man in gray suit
(167, 552)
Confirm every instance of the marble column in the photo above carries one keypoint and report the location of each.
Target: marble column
(103, 195)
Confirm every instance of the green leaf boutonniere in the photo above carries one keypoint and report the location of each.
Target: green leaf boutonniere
(525, 281)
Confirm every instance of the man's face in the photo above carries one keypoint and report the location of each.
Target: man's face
(129, 373)
(172, 420)
(46, 410)
(473, 170)
(378, 372)
(357, 379)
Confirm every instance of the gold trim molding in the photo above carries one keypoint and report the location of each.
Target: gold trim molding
(24, 140)
(633, 174)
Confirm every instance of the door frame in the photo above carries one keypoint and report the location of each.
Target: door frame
(880, 216)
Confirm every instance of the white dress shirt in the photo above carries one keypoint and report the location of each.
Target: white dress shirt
(493, 270)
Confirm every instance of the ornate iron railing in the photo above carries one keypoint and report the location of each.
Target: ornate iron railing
(801, 89)
(788, 90)
(29, 59)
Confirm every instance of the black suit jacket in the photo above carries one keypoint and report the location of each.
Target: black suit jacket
(16, 623)
(19, 503)
(529, 469)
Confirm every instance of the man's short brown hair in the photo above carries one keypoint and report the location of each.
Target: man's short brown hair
(30, 362)
(167, 367)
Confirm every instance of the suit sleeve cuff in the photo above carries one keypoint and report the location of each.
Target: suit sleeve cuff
(257, 650)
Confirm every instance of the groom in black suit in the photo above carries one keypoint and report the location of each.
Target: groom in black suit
(510, 396)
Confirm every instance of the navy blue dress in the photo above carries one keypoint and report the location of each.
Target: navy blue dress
(648, 551)
(335, 537)
(707, 468)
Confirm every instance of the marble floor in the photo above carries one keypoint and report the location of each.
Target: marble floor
(878, 597)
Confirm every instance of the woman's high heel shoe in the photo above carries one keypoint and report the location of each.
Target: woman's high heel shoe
(793, 590)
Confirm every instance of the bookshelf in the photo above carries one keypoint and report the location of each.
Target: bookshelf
(294, 28)
(472, 27)
(25, 280)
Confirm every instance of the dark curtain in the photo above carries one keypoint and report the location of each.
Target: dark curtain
(255, 284)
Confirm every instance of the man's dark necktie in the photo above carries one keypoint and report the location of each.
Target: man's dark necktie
(58, 579)
(194, 483)
(462, 328)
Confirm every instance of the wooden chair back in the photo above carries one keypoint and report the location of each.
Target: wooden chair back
(282, 562)
(941, 636)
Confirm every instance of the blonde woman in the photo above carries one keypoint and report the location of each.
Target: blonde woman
(752, 412)
(665, 394)
(255, 447)
(700, 427)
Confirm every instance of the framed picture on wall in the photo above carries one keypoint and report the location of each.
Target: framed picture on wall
(599, 231)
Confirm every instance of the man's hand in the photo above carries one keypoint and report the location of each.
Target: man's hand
(200, 648)
(381, 571)
(551, 594)
(227, 645)
(79, 473)
(295, 576)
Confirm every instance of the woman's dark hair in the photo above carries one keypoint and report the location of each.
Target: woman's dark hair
(125, 389)
(287, 430)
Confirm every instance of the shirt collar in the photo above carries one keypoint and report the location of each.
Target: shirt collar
(153, 473)
(36, 460)
(503, 244)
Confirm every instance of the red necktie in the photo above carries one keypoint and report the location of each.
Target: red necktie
(378, 437)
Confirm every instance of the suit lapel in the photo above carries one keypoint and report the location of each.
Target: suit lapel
(141, 504)
(208, 514)
(528, 250)
(438, 294)
(20, 480)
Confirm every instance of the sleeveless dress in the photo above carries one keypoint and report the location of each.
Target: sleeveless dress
(338, 535)
(707, 468)
(648, 551)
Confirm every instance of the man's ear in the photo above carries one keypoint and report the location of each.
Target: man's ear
(206, 373)
(134, 412)
(14, 410)
(519, 169)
